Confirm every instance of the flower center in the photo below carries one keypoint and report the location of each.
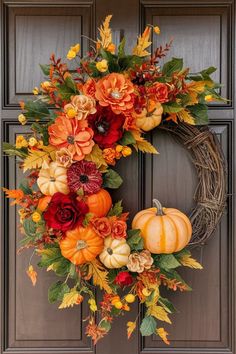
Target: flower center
(83, 178)
(70, 139)
(81, 244)
(109, 251)
(102, 127)
(116, 95)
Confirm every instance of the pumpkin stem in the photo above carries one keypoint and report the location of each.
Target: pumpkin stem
(109, 251)
(158, 205)
(81, 244)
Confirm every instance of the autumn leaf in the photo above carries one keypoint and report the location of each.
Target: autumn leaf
(130, 328)
(35, 159)
(159, 313)
(163, 335)
(143, 43)
(51, 150)
(96, 156)
(99, 274)
(187, 261)
(145, 146)
(95, 331)
(70, 299)
(32, 274)
(16, 194)
(105, 33)
(185, 116)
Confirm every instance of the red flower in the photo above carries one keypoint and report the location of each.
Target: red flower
(123, 279)
(84, 175)
(65, 212)
(107, 126)
(159, 92)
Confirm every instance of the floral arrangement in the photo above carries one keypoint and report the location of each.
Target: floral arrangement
(82, 122)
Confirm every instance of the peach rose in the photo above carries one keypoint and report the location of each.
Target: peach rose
(64, 157)
(118, 229)
(80, 107)
(138, 262)
(101, 226)
(116, 91)
(72, 134)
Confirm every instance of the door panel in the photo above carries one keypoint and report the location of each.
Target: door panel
(203, 35)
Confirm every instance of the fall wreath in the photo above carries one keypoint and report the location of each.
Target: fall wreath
(82, 122)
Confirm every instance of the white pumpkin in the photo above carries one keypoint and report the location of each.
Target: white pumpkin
(115, 253)
(52, 178)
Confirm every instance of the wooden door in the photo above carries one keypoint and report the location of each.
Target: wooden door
(203, 34)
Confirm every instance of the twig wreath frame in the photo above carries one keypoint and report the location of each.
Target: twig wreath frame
(211, 191)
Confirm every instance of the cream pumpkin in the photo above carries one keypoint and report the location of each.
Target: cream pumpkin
(164, 230)
(52, 178)
(149, 120)
(115, 253)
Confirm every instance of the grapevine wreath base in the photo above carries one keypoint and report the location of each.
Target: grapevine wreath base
(211, 192)
(83, 121)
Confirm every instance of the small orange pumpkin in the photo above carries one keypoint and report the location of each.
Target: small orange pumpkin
(164, 230)
(81, 245)
(99, 203)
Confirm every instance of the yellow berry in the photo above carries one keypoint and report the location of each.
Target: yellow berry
(146, 292)
(71, 54)
(209, 98)
(102, 65)
(22, 119)
(36, 217)
(130, 298)
(21, 142)
(35, 91)
(115, 299)
(126, 151)
(32, 141)
(76, 48)
(118, 305)
(157, 30)
(71, 113)
(126, 307)
(119, 148)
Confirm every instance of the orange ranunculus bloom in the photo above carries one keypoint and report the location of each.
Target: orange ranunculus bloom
(89, 88)
(116, 91)
(73, 134)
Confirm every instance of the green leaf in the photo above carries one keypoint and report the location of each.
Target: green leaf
(42, 130)
(176, 64)
(71, 83)
(49, 256)
(11, 150)
(121, 48)
(36, 110)
(45, 68)
(148, 326)
(172, 274)
(87, 219)
(199, 112)
(61, 267)
(57, 291)
(29, 227)
(116, 210)
(65, 92)
(105, 325)
(135, 240)
(168, 261)
(111, 59)
(127, 139)
(171, 107)
(112, 179)
(24, 186)
(166, 304)
(129, 61)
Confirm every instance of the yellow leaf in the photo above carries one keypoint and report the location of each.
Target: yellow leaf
(105, 33)
(35, 159)
(190, 262)
(163, 334)
(145, 146)
(155, 295)
(51, 150)
(97, 157)
(32, 274)
(143, 43)
(69, 299)
(159, 313)
(130, 328)
(185, 116)
(99, 274)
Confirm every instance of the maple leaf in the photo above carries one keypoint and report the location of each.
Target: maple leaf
(163, 335)
(159, 313)
(143, 43)
(105, 32)
(145, 146)
(185, 116)
(51, 150)
(187, 261)
(16, 194)
(96, 156)
(99, 274)
(35, 159)
(94, 331)
(32, 274)
(130, 328)
(70, 299)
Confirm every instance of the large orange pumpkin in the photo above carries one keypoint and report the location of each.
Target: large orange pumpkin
(99, 203)
(81, 245)
(164, 230)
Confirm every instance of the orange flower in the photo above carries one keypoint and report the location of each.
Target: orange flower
(115, 90)
(80, 107)
(89, 88)
(72, 134)
(101, 226)
(118, 229)
(110, 155)
(16, 194)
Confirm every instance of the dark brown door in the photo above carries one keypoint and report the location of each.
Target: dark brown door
(203, 34)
